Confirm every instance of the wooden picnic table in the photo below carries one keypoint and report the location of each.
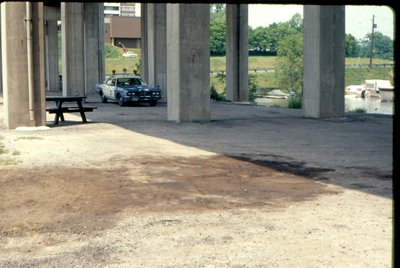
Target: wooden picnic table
(59, 110)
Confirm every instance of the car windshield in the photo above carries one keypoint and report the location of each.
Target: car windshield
(129, 81)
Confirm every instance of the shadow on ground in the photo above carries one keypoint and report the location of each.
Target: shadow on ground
(354, 151)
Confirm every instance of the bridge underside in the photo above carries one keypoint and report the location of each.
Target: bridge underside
(175, 50)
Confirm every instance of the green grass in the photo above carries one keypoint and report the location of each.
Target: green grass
(217, 63)
(3, 150)
(119, 63)
(4, 159)
(29, 138)
(366, 61)
(8, 162)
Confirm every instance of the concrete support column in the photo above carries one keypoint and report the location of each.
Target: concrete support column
(160, 48)
(237, 47)
(52, 56)
(143, 41)
(324, 61)
(155, 46)
(73, 58)
(188, 62)
(94, 46)
(1, 61)
(23, 107)
(150, 45)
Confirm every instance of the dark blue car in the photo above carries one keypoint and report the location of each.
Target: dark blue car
(125, 88)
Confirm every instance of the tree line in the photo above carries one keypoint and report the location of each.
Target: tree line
(265, 40)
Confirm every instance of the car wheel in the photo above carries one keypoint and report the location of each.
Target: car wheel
(121, 101)
(103, 98)
(152, 103)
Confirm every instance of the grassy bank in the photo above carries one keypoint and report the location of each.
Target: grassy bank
(356, 76)
(115, 61)
(262, 79)
(218, 63)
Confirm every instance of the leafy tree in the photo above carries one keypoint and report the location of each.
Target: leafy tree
(296, 23)
(383, 46)
(290, 63)
(267, 38)
(258, 38)
(217, 29)
(217, 11)
(352, 46)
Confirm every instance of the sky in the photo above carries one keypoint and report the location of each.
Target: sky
(358, 18)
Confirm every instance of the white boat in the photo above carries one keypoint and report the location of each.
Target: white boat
(386, 93)
(129, 54)
(358, 90)
(278, 94)
(373, 86)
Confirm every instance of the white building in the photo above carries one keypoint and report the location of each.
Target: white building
(122, 9)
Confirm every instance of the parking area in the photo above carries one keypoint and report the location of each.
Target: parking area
(254, 187)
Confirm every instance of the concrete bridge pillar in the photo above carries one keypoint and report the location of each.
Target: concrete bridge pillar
(51, 56)
(188, 62)
(73, 56)
(155, 46)
(94, 46)
(143, 41)
(324, 61)
(237, 46)
(23, 79)
(1, 62)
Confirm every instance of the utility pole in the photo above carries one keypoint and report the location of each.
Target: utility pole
(372, 41)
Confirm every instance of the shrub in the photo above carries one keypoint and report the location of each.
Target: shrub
(295, 102)
(359, 110)
(252, 87)
(111, 51)
(214, 95)
(138, 67)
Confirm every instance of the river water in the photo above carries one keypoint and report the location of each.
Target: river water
(352, 103)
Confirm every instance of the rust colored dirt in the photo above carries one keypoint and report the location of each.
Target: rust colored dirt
(73, 199)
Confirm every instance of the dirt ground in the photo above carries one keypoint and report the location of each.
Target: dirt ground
(254, 187)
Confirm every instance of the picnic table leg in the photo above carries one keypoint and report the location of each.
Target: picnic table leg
(59, 113)
(81, 111)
